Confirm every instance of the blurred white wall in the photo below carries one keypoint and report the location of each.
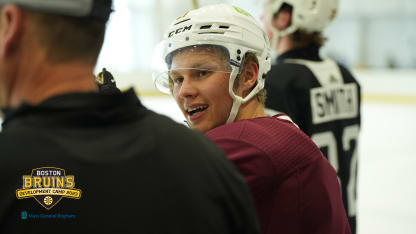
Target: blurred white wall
(366, 33)
(375, 33)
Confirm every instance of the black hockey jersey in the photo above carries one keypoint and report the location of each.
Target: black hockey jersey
(323, 98)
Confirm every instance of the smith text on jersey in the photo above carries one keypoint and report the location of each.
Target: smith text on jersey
(334, 102)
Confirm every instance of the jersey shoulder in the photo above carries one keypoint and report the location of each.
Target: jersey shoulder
(285, 72)
(348, 75)
(280, 139)
(290, 77)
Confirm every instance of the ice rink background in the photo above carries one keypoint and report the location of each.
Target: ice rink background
(387, 155)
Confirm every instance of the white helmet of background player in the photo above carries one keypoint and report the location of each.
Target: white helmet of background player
(307, 15)
(222, 25)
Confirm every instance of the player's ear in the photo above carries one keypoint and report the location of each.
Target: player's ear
(11, 17)
(248, 78)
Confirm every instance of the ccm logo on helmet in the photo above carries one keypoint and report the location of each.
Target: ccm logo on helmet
(180, 30)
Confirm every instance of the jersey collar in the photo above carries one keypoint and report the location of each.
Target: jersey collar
(310, 53)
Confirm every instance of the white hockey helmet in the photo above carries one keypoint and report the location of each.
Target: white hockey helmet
(223, 25)
(308, 15)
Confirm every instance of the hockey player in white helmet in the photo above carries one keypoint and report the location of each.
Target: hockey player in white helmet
(321, 96)
(214, 61)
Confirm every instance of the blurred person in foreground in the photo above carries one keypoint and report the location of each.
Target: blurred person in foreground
(214, 63)
(75, 160)
(321, 96)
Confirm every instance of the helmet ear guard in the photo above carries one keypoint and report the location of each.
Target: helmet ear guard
(261, 77)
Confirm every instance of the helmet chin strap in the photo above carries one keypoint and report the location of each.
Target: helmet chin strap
(237, 101)
(234, 111)
(275, 39)
(276, 34)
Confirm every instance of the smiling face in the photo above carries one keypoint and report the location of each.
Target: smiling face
(199, 82)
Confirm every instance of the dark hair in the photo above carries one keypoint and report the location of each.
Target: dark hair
(67, 38)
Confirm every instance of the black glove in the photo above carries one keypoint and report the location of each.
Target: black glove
(106, 83)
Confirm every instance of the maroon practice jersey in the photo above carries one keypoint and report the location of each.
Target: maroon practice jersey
(295, 189)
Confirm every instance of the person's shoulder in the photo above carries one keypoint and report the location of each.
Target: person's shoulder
(187, 152)
(5, 140)
(10, 140)
(284, 74)
(279, 126)
(14, 146)
(174, 138)
(178, 139)
(283, 69)
(289, 147)
(166, 128)
(232, 137)
(347, 74)
(232, 130)
(342, 67)
(257, 128)
(279, 138)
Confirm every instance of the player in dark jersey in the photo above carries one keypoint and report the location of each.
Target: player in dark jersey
(215, 61)
(321, 96)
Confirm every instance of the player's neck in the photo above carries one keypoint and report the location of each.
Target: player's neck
(284, 45)
(38, 82)
(251, 109)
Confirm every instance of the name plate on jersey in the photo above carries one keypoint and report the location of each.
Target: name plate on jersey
(334, 102)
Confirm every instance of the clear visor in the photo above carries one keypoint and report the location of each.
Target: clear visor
(173, 61)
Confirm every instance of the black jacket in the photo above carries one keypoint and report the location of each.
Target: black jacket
(139, 172)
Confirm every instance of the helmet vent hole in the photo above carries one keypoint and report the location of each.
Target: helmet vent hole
(206, 26)
(224, 26)
(211, 33)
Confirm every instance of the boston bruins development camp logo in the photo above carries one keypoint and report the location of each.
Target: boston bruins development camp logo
(47, 185)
